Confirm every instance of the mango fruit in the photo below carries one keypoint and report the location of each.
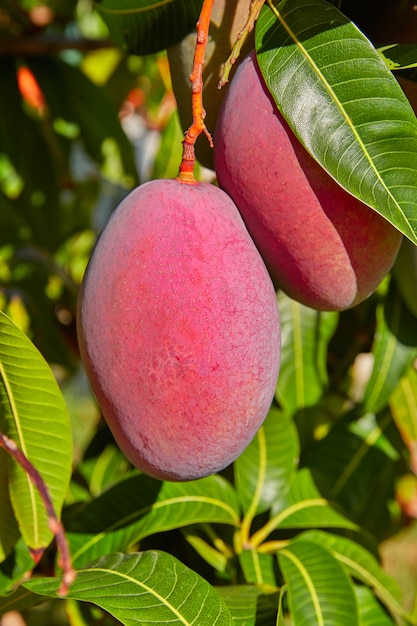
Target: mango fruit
(179, 329)
(322, 246)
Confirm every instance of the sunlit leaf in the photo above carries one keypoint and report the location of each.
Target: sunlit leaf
(403, 405)
(344, 104)
(144, 26)
(144, 588)
(258, 568)
(399, 56)
(141, 506)
(33, 413)
(371, 613)
(362, 565)
(319, 590)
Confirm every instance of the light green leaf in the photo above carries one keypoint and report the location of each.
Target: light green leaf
(144, 26)
(258, 568)
(302, 507)
(214, 557)
(144, 588)
(34, 415)
(169, 155)
(305, 334)
(394, 348)
(320, 592)
(343, 103)
(264, 469)
(403, 405)
(141, 506)
(249, 606)
(362, 565)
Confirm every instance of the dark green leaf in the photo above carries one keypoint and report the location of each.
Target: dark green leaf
(249, 606)
(399, 56)
(343, 103)
(371, 613)
(394, 348)
(264, 469)
(305, 334)
(144, 26)
(144, 588)
(141, 506)
(33, 413)
(320, 592)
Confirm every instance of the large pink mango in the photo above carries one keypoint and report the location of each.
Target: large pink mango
(322, 246)
(179, 330)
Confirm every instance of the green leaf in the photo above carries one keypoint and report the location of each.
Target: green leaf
(320, 592)
(88, 107)
(258, 568)
(141, 506)
(403, 406)
(394, 348)
(399, 56)
(353, 466)
(214, 557)
(19, 600)
(15, 567)
(362, 565)
(144, 588)
(169, 155)
(33, 413)
(249, 606)
(9, 530)
(144, 26)
(305, 334)
(265, 468)
(343, 103)
(302, 506)
(371, 613)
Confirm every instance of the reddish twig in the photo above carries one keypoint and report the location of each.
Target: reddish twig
(254, 10)
(186, 172)
(54, 524)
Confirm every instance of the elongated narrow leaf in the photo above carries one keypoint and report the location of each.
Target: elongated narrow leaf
(344, 104)
(144, 26)
(9, 530)
(394, 348)
(302, 507)
(362, 565)
(305, 334)
(258, 568)
(371, 612)
(403, 405)
(266, 466)
(249, 606)
(141, 506)
(144, 588)
(34, 415)
(319, 590)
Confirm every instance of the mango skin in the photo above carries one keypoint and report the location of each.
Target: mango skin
(179, 330)
(322, 246)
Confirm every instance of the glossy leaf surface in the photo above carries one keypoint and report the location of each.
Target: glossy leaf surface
(343, 103)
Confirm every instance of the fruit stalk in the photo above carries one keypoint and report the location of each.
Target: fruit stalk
(186, 170)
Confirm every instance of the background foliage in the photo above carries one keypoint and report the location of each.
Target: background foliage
(315, 522)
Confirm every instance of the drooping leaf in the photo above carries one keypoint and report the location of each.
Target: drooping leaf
(362, 565)
(249, 606)
(371, 613)
(302, 506)
(353, 466)
(266, 466)
(305, 334)
(258, 568)
(343, 103)
(403, 405)
(144, 588)
(394, 348)
(319, 590)
(141, 506)
(33, 413)
(144, 26)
